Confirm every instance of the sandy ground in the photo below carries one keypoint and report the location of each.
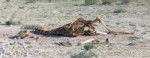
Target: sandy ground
(53, 15)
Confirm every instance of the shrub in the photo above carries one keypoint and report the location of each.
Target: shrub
(85, 54)
(29, 1)
(33, 1)
(12, 22)
(104, 2)
(125, 1)
(119, 10)
(90, 2)
(88, 46)
(44, 0)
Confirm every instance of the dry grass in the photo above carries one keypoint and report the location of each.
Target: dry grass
(85, 54)
(104, 2)
(88, 46)
(90, 2)
(125, 1)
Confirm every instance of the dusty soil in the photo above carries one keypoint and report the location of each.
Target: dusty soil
(52, 15)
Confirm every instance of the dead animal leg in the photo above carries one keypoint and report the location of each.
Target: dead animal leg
(120, 32)
(102, 22)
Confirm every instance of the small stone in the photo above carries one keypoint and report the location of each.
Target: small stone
(107, 40)
(80, 14)
(7, 0)
(12, 43)
(1, 51)
(131, 24)
(20, 43)
(30, 46)
(136, 29)
(78, 44)
(21, 7)
(143, 25)
(119, 10)
(32, 36)
(134, 37)
(67, 44)
(118, 23)
(142, 4)
(25, 55)
(51, 57)
(131, 44)
(27, 42)
(37, 37)
(143, 33)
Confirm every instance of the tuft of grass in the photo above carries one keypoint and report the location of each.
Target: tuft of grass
(45, 1)
(119, 2)
(12, 22)
(85, 54)
(33, 1)
(88, 46)
(119, 11)
(125, 1)
(90, 2)
(31, 26)
(104, 2)
(29, 1)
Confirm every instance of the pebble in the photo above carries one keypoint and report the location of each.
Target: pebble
(143, 33)
(27, 42)
(21, 7)
(30, 46)
(7, 0)
(117, 11)
(37, 37)
(131, 44)
(12, 43)
(143, 25)
(107, 40)
(118, 23)
(136, 29)
(51, 57)
(20, 43)
(131, 24)
(1, 51)
(134, 37)
(67, 44)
